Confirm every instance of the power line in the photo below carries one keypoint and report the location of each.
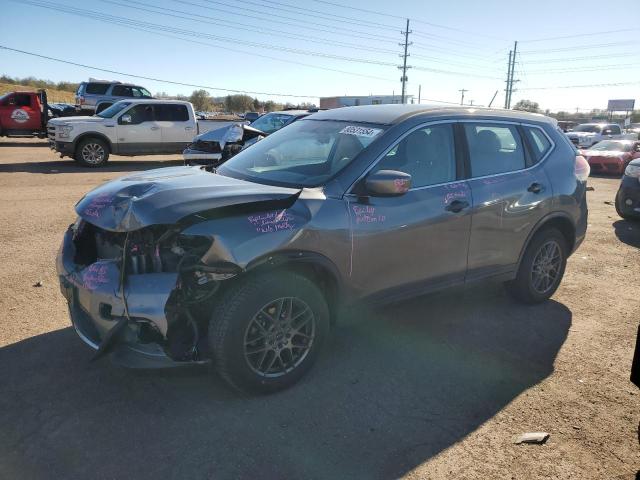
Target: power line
(594, 85)
(576, 59)
(306, 23)
(384, 14)
(172, 82)
(243, 26)
(578, 35)
(593, 68)
(580, 47)
(129, 21)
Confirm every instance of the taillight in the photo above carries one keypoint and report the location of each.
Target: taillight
(582, 168)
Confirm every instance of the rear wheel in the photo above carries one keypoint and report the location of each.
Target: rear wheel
(267, 331)
(541, 269)
(92, 152)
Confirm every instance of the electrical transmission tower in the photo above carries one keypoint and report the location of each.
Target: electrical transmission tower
(510, 73)
(404, 65)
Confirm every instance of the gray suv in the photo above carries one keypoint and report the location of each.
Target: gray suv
(245, 267)
(96, 95)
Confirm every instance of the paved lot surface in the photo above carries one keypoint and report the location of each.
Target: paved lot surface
(433, 388)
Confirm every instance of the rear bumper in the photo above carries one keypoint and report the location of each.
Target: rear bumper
(96, 307)
(606, 165)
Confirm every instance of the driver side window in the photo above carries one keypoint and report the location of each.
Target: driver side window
(427, 154)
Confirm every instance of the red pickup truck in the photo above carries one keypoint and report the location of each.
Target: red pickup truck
(24, 114)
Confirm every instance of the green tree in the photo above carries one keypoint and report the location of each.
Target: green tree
(527, 106)
(238, 103)
(201, 100)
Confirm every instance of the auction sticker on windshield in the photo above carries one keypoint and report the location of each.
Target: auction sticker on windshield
(360, 131)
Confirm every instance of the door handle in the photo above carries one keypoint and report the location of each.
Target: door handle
(457, 206)
(535, 188)
(155, 128)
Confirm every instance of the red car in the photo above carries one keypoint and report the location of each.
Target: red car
(611, 156)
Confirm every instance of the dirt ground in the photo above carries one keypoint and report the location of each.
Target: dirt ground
(437, 387)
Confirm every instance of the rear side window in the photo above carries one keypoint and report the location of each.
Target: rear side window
(122, 91)
(494, 149)
(97, 88)
(538, 142)
(171, 113)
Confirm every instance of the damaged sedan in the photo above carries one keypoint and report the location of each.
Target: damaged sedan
(245, 267)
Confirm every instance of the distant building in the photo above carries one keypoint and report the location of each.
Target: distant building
(336, 102)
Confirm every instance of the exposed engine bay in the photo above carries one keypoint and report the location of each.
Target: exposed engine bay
(158, 250)
(215, 147)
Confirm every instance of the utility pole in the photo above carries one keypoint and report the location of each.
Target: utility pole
(404, 66)
(513, 68)
(508, 82)
(493, 98)
(462, 90)
(471, 102)
(419, 93)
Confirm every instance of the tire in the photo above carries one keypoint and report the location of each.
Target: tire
(92, 152)
(620, 209)
(248, 353)
(536, 286)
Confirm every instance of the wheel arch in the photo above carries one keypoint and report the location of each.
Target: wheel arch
(560, 221)
(85, 135)
(314, 266)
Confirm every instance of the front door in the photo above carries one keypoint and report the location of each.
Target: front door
(410, 243)
(138, 132)
(511, 193)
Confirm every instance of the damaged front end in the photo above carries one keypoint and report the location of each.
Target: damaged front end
(139, 286)
(215, 147)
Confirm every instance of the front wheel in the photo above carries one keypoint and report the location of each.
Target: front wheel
(541, 268)
(267, 331)
(92, 152)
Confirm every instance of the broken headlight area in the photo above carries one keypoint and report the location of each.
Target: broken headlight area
(168, 290)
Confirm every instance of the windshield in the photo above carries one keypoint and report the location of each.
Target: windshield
(588, 128)
(113, 110)
(272, 122)
(305, 154)
(609, 145)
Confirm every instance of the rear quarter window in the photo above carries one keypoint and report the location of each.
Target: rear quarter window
(538, 141)
(97, 88)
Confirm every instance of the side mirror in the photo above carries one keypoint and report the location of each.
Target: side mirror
(388, 183)
(12, 101)
(125, 119)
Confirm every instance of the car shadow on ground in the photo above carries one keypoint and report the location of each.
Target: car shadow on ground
(34, 143)
(70, 166)
(393, 388)
(628, 232)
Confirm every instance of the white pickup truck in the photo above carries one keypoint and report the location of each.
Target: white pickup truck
(588, 134)
(128, 127)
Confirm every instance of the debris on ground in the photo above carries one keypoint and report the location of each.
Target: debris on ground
(38, 283)
(608, 202)
(590, 189)
(532, 437)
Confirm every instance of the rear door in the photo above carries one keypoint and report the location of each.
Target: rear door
(417, 241)
(177, 126)
(510, 189)
(138, 132)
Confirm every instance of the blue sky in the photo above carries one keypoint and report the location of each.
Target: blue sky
(290, 47)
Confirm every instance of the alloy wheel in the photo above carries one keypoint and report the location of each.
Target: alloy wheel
(93, 153)
(546, 267)
(279, 337)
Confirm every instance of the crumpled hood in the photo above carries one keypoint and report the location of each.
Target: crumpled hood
(236, 132)
(604, 153)
(167, 195)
